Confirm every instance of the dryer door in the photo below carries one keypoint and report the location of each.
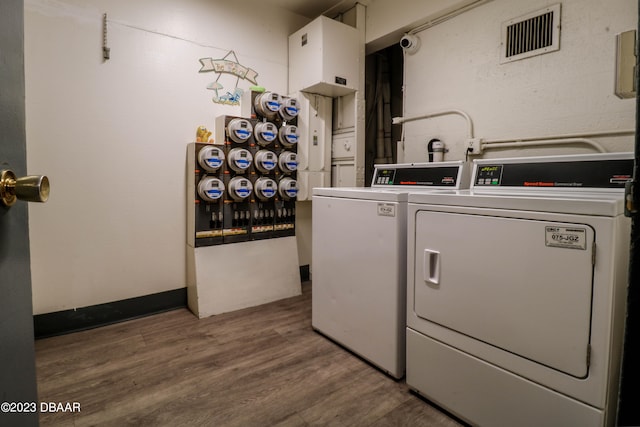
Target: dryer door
(524, 286)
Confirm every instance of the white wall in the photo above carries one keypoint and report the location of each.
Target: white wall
(568, 91)
(111, 136)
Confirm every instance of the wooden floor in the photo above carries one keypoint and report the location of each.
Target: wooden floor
(262, 366)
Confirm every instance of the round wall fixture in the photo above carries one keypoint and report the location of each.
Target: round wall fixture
(410, 43)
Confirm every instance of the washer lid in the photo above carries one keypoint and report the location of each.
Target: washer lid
(383, 194)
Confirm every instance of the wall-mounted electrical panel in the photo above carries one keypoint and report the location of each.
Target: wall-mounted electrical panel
(343, 167)
(314, 146)
(324, 58)
(242, 190)
(241, 205)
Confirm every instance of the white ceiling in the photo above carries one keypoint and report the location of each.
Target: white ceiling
(309, 8)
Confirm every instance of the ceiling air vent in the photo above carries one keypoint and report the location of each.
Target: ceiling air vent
(532, 34)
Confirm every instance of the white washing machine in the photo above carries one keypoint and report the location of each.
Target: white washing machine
(516, 292)
(359, 259)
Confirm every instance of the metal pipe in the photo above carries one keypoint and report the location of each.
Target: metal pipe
(380, 127)
(400, 120)
(379, 100)
(448, 14)
(530, 143)
(566, 136)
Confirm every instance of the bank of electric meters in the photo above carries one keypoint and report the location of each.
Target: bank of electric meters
(245, 182)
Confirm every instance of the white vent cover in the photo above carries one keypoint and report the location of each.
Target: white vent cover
(532, 34)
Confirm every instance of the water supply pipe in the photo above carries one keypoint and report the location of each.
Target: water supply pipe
(401, 120)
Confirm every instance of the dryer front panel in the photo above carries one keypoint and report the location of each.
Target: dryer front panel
(521, 285)
(359, 277)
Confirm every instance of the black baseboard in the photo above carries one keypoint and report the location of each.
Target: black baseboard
(67, 321)
(305, 274)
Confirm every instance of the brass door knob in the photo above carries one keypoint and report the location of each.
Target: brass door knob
(32, 188)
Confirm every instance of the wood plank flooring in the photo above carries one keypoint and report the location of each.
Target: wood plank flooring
(262, 366)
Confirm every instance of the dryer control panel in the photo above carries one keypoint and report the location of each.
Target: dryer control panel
(589, 171)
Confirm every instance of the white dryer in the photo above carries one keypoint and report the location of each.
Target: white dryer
(359, 259)
(516, 292)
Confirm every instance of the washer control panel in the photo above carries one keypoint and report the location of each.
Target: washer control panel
(450, 175)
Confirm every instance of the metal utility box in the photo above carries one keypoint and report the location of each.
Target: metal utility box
(323, 58)
(314, 146)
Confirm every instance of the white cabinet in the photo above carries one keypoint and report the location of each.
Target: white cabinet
(324, 58)
(314, 145)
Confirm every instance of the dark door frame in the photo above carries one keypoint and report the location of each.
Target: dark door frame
(628, 411)
(18, 390)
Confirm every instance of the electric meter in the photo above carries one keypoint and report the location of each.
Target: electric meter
(289, 109)
(239, 130)
(240, 188)
(211, 189)
(288, 135)
(239, 159)
(288, 188)
(266, 161)
(211, 158)
(265, 188)
(267, 104)
(266, 133)
(288, 162)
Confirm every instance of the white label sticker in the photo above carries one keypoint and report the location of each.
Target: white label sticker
(386, 209)
(566, 237)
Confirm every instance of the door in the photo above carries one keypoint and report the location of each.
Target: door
(521, 285)
(17, 359)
